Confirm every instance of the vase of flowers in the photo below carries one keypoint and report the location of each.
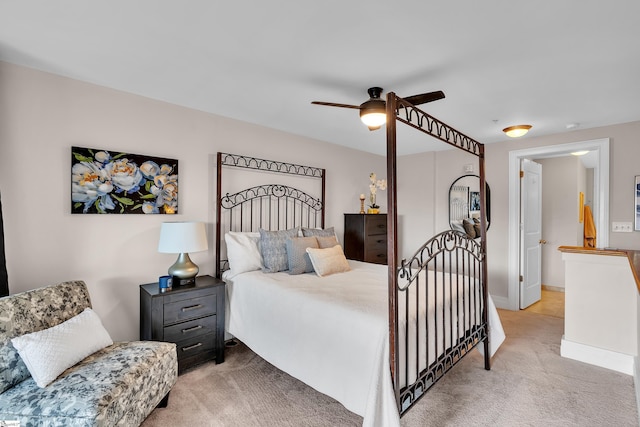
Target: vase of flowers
(374, 185)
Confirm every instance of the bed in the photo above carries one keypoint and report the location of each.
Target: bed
(373, 337)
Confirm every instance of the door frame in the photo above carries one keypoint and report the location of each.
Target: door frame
(600, 200)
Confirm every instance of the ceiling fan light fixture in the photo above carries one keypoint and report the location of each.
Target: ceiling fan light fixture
(373, 113)
(517, 130)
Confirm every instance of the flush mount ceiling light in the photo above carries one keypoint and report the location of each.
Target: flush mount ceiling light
(580, 153)
(517, 130)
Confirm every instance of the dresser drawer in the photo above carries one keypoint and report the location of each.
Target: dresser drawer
(190, 328)
(375, 225)
(375, 249)
(189, 309)
(195, 345)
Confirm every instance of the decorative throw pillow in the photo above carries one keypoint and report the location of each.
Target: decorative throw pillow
(297, 255)
(273, 245)
(328, 261)
(476, 226)
(243, 252)
(469, 228)
(327, 232)
(49, 352)
(326, 241)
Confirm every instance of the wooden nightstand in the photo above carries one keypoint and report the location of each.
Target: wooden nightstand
(365, 237)
(191, 316)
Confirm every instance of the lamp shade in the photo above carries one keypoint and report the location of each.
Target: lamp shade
(182, 237)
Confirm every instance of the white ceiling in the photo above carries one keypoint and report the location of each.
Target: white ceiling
(499, 62)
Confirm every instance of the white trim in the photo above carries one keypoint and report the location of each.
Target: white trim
(600, 202)
(500, 301)
(608, 359)
(636, 380)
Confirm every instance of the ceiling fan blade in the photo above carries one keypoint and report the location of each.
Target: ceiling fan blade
(333, 104)
(423, 98)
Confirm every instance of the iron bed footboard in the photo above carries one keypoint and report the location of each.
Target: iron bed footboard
(441, 255)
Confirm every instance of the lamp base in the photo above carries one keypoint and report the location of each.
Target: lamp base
(183, 271)
(177, 281)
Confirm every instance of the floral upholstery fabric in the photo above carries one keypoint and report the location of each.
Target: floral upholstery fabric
(118, 385)
(34, 311)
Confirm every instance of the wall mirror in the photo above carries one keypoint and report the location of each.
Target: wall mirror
(464, 205)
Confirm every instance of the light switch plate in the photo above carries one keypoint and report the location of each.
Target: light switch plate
(621, 227)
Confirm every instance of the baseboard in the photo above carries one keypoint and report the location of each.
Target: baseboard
(501, 302)
(552, 288)
(608, 359)
(636, 380)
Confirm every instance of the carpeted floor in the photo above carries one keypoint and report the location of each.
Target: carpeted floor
(529, 385)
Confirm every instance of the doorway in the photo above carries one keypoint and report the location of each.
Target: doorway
(600, 147)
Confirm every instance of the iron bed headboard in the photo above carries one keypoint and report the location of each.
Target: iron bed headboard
(399, 110)
(269, 206)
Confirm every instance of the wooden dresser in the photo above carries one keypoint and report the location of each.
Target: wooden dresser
(365, 237)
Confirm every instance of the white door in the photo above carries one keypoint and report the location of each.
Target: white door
(530, 232)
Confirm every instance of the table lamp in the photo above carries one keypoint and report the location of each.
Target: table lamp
(181, 238)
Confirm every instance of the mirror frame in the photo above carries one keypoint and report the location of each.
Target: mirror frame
(487, 196)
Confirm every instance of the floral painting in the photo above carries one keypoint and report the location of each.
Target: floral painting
(104, 182)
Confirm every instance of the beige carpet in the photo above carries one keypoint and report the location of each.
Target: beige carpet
(529, 385)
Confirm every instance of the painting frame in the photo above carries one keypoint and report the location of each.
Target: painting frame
(637, 203)
(115, 182)
(474, 201)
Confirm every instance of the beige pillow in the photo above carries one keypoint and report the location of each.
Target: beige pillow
(326, 241)
(328, 261)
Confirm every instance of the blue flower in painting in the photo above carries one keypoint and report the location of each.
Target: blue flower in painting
(150, 208)
(91, 183)
(149, 169)
(125, 175)
(165, 188)
(102, 157)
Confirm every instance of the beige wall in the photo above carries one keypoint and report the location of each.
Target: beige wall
(43, 115)
(562, 180)
(624, 155)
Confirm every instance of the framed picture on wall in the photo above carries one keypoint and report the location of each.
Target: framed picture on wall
(474, 201)
(636, 205)
(111, 182)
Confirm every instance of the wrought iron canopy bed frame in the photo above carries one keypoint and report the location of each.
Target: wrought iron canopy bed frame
(448, 265)
(451, 249)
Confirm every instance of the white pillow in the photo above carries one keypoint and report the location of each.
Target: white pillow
(328, 261)
(49, 352)
(243, 252)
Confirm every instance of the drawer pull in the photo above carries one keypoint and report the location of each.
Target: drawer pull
(192, 307)
(191, 347)
(381, 241)
(381, 255)
(191, 329)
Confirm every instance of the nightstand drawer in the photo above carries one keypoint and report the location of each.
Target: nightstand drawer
(195, 345)
(189, 309)
(376, 225)
(190, 329)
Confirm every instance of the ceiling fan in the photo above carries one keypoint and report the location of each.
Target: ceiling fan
(373, 112)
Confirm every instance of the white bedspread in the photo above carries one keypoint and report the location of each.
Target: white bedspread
(331, 333)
